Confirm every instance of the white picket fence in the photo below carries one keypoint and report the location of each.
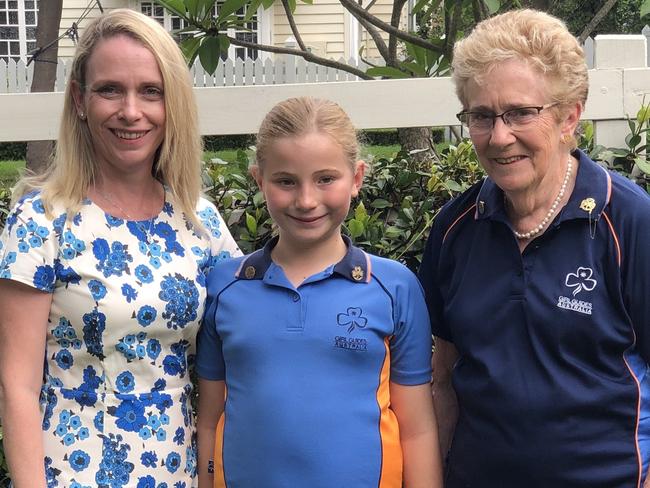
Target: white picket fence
(16, 77)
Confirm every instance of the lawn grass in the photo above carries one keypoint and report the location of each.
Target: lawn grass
(10, 170)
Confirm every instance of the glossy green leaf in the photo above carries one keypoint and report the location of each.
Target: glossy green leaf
(645, 8)
(643, 115)
(643, 165)
(453, 185)
(360, 212)
(209, 54)
(267, 4)
(492, 5)
(387, 71)
(190, 49)
(251, 10)
(251, 224)
(415, 68)
(224, 43)
(192, 7)
(175, 6)
(380, 203)
(355, 228)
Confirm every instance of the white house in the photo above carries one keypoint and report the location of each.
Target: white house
(327, 28)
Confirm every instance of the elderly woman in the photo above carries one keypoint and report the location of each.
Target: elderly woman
(537, 279)
(103, 266)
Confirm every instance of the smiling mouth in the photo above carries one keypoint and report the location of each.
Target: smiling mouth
(128, 135)
(512, 159)
(307, 220)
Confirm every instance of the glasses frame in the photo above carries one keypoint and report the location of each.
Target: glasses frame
(503, 116)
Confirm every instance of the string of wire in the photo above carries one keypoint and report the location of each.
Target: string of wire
(71, 32)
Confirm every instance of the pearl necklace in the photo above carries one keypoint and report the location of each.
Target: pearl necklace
(145, 230)
(552, 210)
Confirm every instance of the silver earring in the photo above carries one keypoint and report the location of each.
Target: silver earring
(82, 116)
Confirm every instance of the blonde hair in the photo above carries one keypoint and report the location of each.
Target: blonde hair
(534, 37)
(178, 159)
(303, 115)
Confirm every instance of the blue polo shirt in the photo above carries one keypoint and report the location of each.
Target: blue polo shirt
(554, 343)
(307, 370)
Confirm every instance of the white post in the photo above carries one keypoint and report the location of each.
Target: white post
(617, 52)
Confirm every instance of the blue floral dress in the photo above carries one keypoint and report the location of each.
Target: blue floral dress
(127, 298)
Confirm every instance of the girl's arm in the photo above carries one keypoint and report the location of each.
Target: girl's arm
(418, 434)
(23, 324)
(212, 396)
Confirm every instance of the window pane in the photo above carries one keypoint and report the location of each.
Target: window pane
(8, 32)
(146, 9)
(159, 11)
(14, 47)
(13, 4)
(4, 49)
(3, 4)
(13, 18)
(3, 17)
(29, 4)
(30, 32)
(30, 18)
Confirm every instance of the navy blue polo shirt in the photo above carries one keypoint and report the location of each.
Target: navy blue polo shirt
(308, 369)
(554, 343)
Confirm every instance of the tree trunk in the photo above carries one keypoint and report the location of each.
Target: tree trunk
(417, 140)
(47, 30)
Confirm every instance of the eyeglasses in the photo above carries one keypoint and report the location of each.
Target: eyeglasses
(520, 118)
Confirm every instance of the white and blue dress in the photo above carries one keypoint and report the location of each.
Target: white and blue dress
(127, 299)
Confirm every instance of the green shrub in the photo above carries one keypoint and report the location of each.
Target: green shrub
(391, 216)
(13, 151)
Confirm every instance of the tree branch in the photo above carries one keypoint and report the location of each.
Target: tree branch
(395, 17)
(604, 10)
(292, 24)
(352, 7)
(375, 34)
(376, 37)
(369, 6)
(306, 55)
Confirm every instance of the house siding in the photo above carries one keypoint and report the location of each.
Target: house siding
(322, 25)
(72, 10)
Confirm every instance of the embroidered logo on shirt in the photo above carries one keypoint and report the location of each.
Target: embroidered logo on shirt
(352, 319)
(579, 281)
(351, 343)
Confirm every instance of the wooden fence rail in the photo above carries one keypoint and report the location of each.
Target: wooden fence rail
(619, 85)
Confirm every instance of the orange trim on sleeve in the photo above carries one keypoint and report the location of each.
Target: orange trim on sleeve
(616, 242)
(219, 477)
(391, 449)
(368, 268)
(457, 220)
(638, 416)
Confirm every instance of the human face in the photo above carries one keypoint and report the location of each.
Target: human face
(308, 184)
(124, 104)
(520, 161)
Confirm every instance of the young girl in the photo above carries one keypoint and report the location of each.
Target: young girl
(324, 350)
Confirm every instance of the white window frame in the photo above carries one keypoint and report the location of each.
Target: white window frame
(22, 31)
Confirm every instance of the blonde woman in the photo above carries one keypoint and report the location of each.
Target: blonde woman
(103, 263)
(536, 279)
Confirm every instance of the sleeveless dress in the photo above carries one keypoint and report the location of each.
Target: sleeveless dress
(127, 299)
